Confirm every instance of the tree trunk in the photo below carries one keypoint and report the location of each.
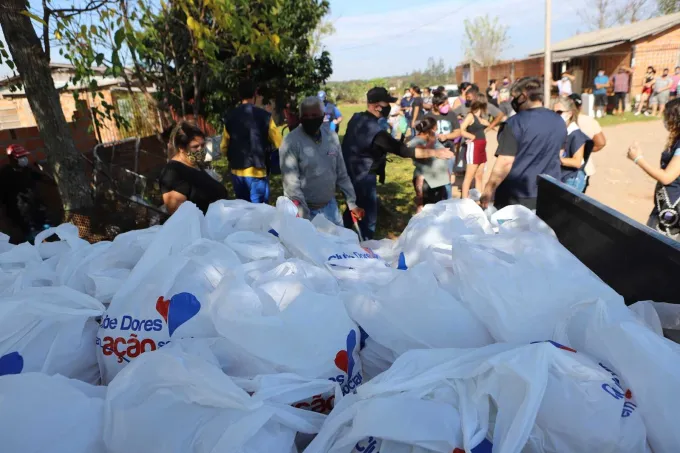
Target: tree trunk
(63, 158)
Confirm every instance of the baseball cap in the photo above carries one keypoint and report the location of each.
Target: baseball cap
(17, 151)
(576, 98)
(322, 95)
(379, 94)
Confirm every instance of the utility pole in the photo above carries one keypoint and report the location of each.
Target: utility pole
(547, 56)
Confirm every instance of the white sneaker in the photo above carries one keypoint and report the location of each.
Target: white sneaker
(637, 113)
(646, 113)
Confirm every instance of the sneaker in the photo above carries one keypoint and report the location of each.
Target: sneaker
(646, 113)
(637, 113)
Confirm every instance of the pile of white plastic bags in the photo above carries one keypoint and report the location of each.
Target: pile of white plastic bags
(249, 330)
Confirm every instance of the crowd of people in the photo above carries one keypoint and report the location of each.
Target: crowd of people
(445, 137)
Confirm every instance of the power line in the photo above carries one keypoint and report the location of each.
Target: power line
(425, 24)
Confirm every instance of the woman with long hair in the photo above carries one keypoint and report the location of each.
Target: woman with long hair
(473, 130)
(184, 178)
(665, 216)
(430, 176)
(577, 147)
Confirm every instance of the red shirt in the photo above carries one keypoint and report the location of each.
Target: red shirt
(621, 82)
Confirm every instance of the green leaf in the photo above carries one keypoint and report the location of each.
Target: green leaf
(10, 63)
(119, 37)
(33, 16)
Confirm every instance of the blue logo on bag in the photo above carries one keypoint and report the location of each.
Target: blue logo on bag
(12, 363)
(344, 360)
(178, 310)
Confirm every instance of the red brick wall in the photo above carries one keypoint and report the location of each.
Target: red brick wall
(661, 51)
(522, 68)
(29, 138)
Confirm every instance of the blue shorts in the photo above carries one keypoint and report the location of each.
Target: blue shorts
(577, 181)
(255, 190)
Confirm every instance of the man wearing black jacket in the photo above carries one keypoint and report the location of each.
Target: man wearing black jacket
(365, 148)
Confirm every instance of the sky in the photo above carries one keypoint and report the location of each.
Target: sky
(377, 38)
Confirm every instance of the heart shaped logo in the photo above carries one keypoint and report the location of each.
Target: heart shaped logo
(341, 360)
(182, 307)
(162, 307)
(11, 363)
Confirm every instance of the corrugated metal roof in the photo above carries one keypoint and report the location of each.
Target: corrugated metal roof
(617, 35)
(565, 55)
(101, 82)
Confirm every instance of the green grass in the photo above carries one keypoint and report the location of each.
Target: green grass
(628, 117)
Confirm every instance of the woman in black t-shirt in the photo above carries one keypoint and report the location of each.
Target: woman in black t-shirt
(665, 216)
(183, 178)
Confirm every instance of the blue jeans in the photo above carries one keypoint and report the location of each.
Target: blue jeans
(577, 181)
(330, 211)
(367, 199)
(255, 190)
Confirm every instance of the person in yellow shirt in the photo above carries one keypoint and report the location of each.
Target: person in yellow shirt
(249, 133)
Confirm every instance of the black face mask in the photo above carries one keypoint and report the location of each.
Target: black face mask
(468, 104)
(516, 104)
(311, 126)
(385, 111)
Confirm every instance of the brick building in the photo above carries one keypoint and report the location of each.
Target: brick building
(143, 119)
(653, 42)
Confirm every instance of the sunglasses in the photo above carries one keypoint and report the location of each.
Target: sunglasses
(559, 112)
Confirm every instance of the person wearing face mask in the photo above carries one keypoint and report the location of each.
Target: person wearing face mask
(564, 84)
(601, 83)
(504, 89)
(312, 167)
(19, 193)
(529, 144)
(448, 130)
(184, 178)
(577, 147)
(365, 148)
(471, 96)
(665, 216)
(430, 176)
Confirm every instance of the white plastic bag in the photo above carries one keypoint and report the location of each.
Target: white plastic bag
(41, 413)
(521, 284)
(251, 246)
(51, 330)
(5, 246)
(437, 225)
(69, 240)
(170, 302)
(288, 330)
(225, 217)
(345, 258)
(649, 363)
(294, 270)
(539, 398)
(519, 218)
(413, 312)
(169, 401)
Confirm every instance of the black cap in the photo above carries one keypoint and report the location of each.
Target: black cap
(576, 98)
(379, 94)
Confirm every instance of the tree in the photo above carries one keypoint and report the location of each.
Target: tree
(668, 6)
(598, 15)
(195, 52)
(485, 39)
(30, 59)
(606, 13)
(323, 29)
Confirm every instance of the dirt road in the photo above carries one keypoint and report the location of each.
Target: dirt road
(618, 182)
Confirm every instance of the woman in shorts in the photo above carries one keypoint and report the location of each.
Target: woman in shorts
(647, 87)
(473, 130)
